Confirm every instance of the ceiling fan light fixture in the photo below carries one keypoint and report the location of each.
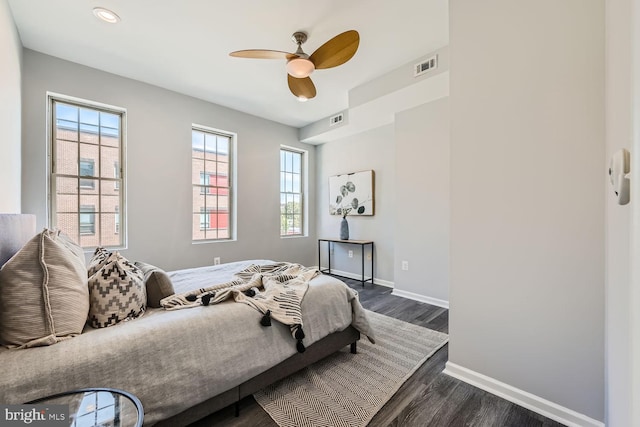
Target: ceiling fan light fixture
(300, 68)
(332, 53)
(106, 15)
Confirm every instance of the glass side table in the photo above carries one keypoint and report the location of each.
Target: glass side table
(98, 407)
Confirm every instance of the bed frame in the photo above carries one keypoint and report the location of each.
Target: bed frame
(317, 351)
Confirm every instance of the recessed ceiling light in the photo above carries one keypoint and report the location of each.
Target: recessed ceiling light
(106, 15)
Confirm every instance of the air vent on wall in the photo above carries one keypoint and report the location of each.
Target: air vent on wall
(336, 119)
(429, 64)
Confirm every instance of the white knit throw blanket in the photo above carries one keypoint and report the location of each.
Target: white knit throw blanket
(275, 290)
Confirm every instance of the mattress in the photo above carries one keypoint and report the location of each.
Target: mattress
(172, 360)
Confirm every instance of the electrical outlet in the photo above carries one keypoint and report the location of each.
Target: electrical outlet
(368, 256)
(216, 260)
(405, 265)
(350, 254)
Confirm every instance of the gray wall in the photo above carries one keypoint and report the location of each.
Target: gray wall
(10, 116)
(411, 223)
(422, 200)
(618, 308)
(159, 166)
(527, 206)
(373, 149)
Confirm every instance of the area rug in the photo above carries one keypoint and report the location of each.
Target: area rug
(347, 389)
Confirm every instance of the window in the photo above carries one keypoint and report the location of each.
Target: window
(87, 220)
(211, 155)
(117, 221)
(211, 183)
(116, 174)
(205, 218)
(205, 182)
(87, 144)
(291, 195)
(87, 168)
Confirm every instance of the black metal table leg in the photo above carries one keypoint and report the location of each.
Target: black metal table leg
(372, 263)
(362, 262)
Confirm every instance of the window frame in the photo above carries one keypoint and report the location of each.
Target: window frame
(304, 191)
(52, 99)
(231, 177)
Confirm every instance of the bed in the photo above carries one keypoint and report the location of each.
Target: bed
(182, 364)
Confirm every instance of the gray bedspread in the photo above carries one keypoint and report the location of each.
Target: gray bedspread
(173, 360)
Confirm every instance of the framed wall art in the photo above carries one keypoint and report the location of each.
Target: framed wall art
(352, 194)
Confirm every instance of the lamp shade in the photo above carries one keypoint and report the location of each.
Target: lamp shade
(300, 68)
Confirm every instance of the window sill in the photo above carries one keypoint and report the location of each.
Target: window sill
(91, 250)
(202, 242)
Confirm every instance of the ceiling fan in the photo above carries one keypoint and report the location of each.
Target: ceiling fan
(335, 52)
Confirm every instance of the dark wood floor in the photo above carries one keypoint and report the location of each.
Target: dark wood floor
(428, 398)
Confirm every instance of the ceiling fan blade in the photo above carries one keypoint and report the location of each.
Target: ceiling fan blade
(301, 87)
(336, 51)
(263, 54)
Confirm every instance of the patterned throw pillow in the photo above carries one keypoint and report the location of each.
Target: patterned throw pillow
(97, 260)
(116, 292)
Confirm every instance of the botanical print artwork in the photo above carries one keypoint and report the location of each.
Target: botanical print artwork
(351, 194)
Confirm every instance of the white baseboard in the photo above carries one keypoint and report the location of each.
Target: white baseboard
(356, 276)
(522, 398)
(417, 297)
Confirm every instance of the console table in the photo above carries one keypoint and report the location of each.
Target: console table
(361, 243)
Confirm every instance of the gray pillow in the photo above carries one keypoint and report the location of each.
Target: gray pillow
(157, 282)
(43, 293)
(117, 292)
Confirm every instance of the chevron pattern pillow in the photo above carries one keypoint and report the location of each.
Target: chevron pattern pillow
(116, 292)
(97, 260)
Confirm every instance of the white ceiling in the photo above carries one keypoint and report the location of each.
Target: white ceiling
(184, 45)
